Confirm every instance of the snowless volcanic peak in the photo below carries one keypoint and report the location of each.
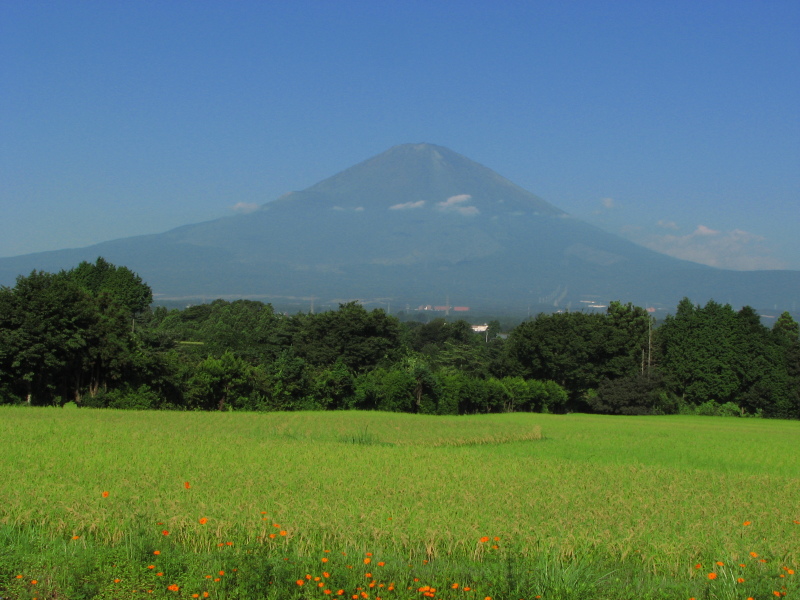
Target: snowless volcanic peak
(424, 177)
(416, 224)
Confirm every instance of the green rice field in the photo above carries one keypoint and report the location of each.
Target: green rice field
(117, 504)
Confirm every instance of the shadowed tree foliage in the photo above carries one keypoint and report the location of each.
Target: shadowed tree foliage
(49, 330)
(125, 287)
(698, 346)
(786, 336)
(579, 350)
(71, 336)
(358, 339)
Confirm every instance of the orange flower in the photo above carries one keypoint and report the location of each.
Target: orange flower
(151, 566)
(740, 580)
(165, 532)
(746, 523)
(720, 563)
(271, 536)
(454, 586)
(19, 576)
(484, 539)
(186, 485)
(34, 582)
(712, 575)
(698, 566)
(105, 494)
(173, 588)
(156, 552)
(117, 580)
(325, 559)
(300, 582)
(222, 573)
(75, 537)
(753, 554)
(283, 533)
(229, 543)
(203, 521)
(367, 561)
(380, 564)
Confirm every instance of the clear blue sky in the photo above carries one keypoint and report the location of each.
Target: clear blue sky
(674, 123)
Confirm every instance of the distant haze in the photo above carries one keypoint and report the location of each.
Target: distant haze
(673, 124)
(418, 224)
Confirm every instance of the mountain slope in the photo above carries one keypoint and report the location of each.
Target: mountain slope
(416, 224)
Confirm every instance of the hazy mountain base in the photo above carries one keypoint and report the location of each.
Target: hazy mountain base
(418, 224)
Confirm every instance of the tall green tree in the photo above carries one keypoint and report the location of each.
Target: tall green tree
(357, 338)
(698, 352)
(567, 348)
(125, 287)
(786, 335)
(45, 325)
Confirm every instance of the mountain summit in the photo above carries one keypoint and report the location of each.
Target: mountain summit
(417, 224)
(425, 177)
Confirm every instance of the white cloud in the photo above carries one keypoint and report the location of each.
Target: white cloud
(408, 205)
(606, 205)
(453, 200)
(244, 207)
(703, 230)
(456, 204)
(668, 225)
(737, 249)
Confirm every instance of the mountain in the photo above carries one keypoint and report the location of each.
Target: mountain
(417, 224)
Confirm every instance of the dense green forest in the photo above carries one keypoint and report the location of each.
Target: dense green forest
(90, 336)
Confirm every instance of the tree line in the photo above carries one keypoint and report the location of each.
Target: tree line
(91, 336)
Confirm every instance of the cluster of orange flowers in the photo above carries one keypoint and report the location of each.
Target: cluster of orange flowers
(360, 592)
(485, 539)
(363, 592)
(713, 575)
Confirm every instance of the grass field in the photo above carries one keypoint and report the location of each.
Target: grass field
(242, 505)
